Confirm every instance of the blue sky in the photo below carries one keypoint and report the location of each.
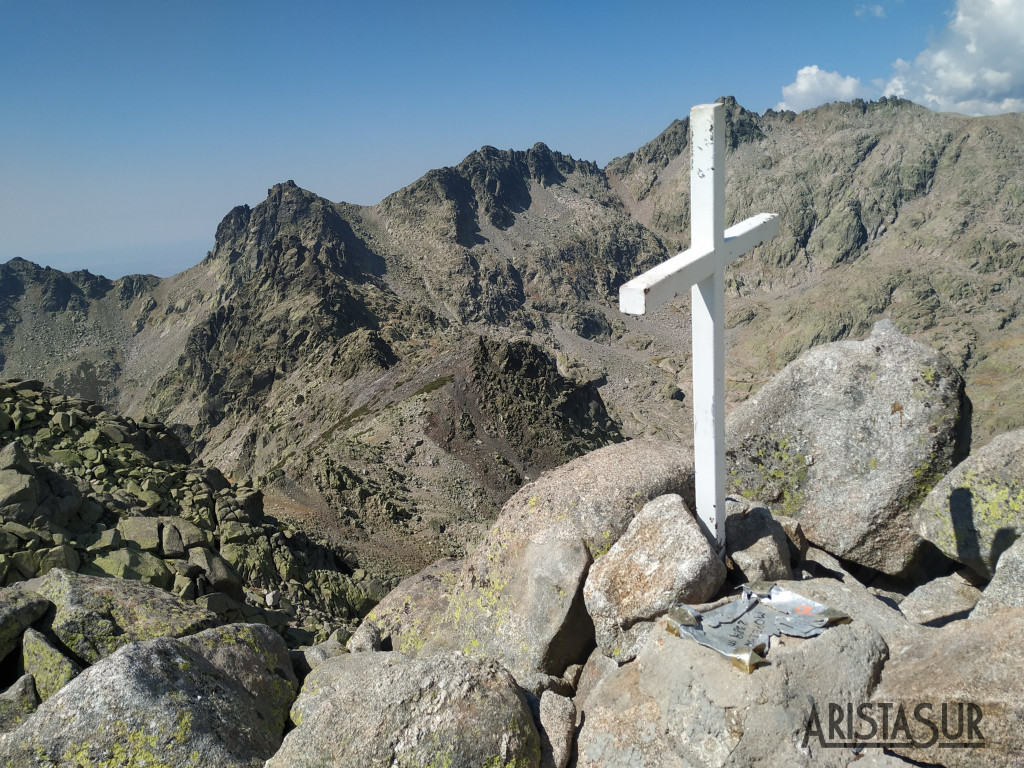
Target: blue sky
(129, 128)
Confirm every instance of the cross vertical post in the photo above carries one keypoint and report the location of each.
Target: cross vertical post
(701, 268)
(707, 230)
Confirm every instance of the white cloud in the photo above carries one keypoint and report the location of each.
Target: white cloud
(870, 10)
(975, 66)
(814, 86)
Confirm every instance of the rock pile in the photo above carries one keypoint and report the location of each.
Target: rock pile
(84, 490)
(552, 644)
(163, 691)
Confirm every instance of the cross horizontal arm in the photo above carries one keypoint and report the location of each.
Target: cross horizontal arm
(654, 287)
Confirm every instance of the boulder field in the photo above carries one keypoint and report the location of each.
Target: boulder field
(556, 641)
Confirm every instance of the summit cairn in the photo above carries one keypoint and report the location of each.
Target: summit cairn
(702, 269)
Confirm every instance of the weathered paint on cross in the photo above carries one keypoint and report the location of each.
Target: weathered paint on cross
(702, 269)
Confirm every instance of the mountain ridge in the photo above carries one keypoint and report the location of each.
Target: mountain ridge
(326, 326)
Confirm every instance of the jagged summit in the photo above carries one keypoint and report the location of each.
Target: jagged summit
(489, 187)
(291, 220)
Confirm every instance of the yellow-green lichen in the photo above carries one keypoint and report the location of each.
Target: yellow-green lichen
(777, 474)
(484, 609)
(977, 510)
(601, 549)
(136, 747)
(50, 669)
(926, 476)
(996, 504)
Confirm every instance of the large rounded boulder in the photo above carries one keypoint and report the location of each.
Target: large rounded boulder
(376, 710)
(219, 697)
(518, 597)
(849, 438)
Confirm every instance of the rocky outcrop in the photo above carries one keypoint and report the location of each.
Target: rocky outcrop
(63, 622)
(311, 319)
(977, 511)
(93, 617)
(1006, 590)
(605, 543)
(849, 439)
(399, 621)
(680, 702)
(371, 710)
(151, 668)
(667, 699)
(958, 674)
(313, 347)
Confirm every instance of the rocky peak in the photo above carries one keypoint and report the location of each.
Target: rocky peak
(658, 152)
(132, 287)
(500, 178)
(292, 221)
(741, 125)
(491, 182)
(60, 291)
(440, 203)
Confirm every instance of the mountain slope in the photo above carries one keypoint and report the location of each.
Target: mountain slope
(887, 209)
(392, 373)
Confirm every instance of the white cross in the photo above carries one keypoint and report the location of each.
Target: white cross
(702, 269)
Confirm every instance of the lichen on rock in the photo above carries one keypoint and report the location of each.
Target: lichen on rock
(976, 511)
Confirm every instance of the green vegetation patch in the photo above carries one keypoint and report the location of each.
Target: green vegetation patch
(433, 386)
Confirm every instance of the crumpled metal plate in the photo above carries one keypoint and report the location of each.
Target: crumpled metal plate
(740, 630)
